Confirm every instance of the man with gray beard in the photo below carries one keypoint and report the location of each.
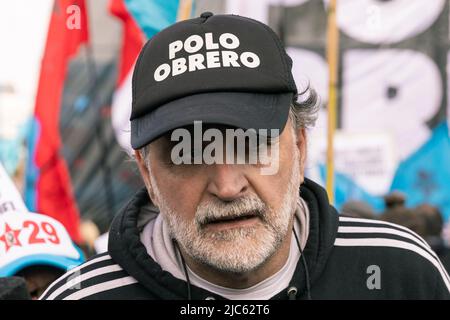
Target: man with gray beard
(241, 249)
(235, 218)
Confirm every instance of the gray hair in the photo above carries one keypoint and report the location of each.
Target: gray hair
(303, 113)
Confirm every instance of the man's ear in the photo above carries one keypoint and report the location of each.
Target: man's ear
(145, 174)
(302, 148)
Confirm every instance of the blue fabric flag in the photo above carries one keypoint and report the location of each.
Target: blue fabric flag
(425, 176)
(154, 15)
(345, 189)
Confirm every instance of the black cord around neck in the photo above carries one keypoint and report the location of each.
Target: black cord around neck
(183, 263)
(302, 257)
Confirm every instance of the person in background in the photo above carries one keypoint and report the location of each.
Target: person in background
(425, 220)
(13, 288)
(406, 217)
(38, 277)
(433, 232)
(358, 209)
(36, 248)
(395, 199)
(89, 233)
(397, 213)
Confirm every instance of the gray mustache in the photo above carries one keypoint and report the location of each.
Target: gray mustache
(212, 212)
(208, 220)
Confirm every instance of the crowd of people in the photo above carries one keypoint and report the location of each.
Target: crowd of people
(425, 220)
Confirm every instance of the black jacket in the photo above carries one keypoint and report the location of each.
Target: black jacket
(347, 258)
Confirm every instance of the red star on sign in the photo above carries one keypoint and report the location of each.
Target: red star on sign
(10, 237)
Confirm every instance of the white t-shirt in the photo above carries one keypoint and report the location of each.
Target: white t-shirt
(156, 238)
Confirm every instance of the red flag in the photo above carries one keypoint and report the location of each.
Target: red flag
(133, 38)
(51, 187)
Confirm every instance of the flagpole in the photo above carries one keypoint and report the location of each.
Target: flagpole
(185, 10)
(333, 61)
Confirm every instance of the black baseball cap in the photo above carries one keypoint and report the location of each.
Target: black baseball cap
(221, 69)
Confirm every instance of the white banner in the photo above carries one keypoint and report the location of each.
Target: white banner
(366, 158)
(378, 22)
(10, 198)
(393, 90)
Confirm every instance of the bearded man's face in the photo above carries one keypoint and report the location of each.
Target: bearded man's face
(228, 216)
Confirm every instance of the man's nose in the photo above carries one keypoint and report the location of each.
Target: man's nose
(227, 182)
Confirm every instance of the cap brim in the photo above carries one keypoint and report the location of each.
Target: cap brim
(59, 262)
(237, 109)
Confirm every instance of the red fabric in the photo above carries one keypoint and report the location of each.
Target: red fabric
(133, 38)
(54, 192)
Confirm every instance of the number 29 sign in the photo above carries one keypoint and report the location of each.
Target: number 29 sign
(28, 235)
